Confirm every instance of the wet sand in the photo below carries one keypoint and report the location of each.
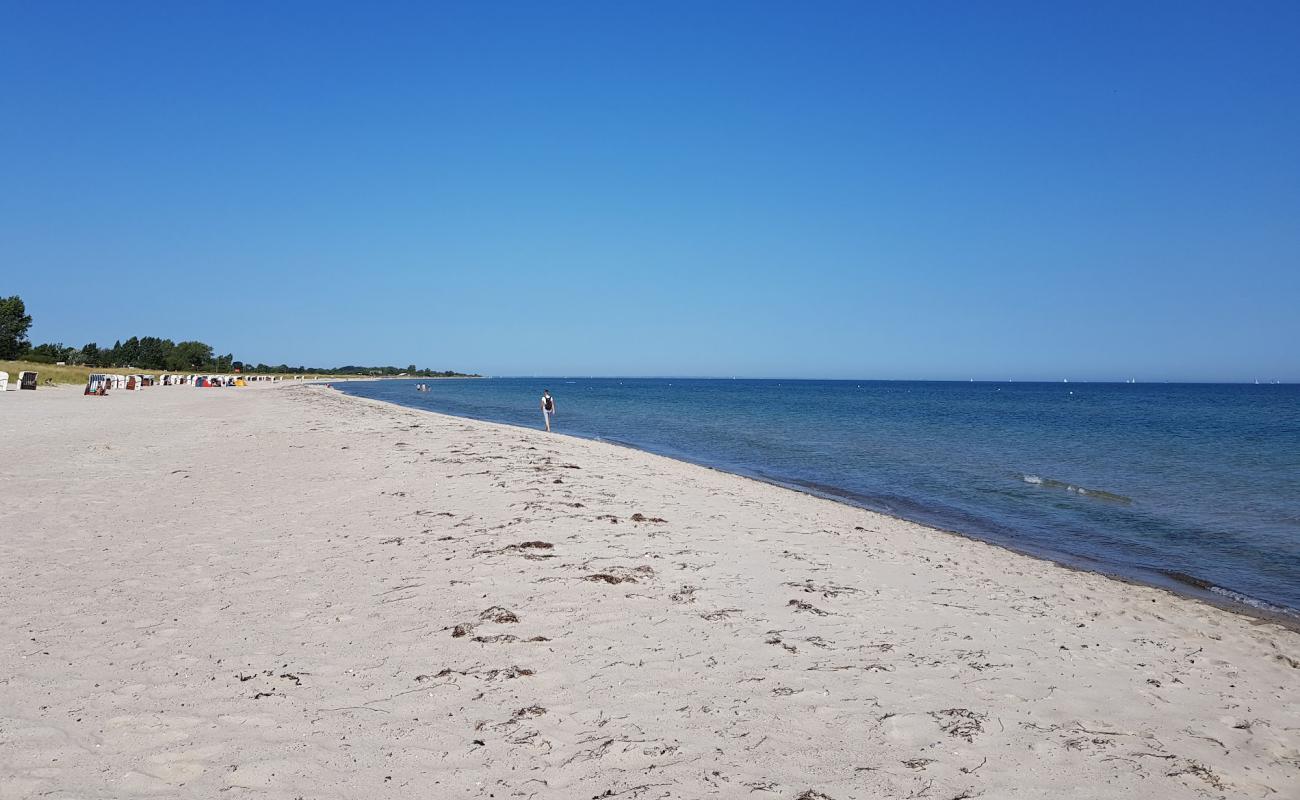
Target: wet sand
(283, 592)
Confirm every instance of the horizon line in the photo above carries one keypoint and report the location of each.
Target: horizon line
(1125, 381)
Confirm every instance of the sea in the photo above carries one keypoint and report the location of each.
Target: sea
(1191, 487)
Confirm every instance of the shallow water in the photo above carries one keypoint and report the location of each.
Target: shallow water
(1174, 484)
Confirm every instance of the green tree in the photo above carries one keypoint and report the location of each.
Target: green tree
(90, 355)
(154, 353)
(49, 353)
(14, 324)
(128, 354)
(190, 356)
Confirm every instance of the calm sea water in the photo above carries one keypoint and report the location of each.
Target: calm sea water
(1196, 487)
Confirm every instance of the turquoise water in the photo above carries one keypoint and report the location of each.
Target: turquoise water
(1194, 487)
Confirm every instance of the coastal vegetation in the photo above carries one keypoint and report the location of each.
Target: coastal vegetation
(14, 324)
(80, 374)
(155, 354)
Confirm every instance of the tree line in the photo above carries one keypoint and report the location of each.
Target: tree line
(144, 352)
(154, 353)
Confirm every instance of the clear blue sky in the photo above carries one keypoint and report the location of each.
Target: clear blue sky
(905, 190)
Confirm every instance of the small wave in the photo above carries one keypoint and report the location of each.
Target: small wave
(1098, 494)
(1247, 600)
(1228, 594)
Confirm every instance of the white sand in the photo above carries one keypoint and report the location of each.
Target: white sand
(252, 592)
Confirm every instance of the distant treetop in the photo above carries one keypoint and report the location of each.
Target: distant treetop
(153, 353)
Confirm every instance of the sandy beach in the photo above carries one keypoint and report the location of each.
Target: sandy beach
(285, 592)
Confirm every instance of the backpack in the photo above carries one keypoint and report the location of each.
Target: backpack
(550, 406)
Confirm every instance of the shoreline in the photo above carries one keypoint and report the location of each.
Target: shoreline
(289, 591)
(1181, 585)
(1188, 587)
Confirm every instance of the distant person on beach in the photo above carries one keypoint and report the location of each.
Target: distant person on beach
(548, 408)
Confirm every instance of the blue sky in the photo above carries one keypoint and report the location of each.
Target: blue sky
(928, 190)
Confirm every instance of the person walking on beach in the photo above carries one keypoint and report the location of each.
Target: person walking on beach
(548, 408)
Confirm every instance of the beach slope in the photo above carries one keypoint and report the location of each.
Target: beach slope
(285, 592)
